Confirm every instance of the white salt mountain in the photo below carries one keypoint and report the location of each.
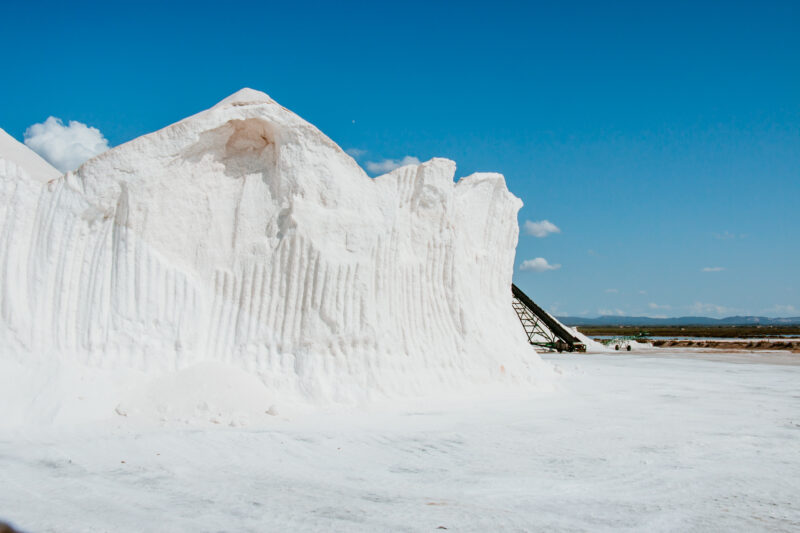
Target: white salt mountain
(243, 235)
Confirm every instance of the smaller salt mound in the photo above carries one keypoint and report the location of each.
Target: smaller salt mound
(591, 344)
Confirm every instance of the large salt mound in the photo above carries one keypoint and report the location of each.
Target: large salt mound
(245, 236)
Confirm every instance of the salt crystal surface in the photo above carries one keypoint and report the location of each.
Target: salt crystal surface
(243, 235)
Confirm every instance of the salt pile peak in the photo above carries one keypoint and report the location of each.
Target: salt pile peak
(23, 159)
(244, 235)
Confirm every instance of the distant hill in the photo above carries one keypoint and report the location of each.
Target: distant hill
(678, 321)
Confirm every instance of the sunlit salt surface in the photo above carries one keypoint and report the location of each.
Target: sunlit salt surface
(625, 442)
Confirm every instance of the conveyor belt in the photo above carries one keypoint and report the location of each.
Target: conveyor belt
(541, 328)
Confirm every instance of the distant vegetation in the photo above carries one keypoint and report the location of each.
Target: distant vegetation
(692, 331)
(679, 321)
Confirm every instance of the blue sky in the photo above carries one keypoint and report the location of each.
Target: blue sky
(662, 139)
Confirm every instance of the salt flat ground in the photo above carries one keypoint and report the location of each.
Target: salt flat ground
(623, 443)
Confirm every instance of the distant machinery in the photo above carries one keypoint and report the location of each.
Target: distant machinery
(541, 328)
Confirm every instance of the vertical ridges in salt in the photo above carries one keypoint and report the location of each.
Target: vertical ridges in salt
(243, 235)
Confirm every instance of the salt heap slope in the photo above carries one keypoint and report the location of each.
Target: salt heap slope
(16, 159)
(22, 175)
(245, 236)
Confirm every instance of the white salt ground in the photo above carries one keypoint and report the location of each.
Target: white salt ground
(623, 443)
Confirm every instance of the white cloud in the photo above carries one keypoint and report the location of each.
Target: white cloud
(642, 292)
(785, 310)
(713, 269)
(699, 308)
(387, 165)
(355, 153)
(610, 312)
(65, 147)
(539, 264)
(654, 306)
(541, 228)
(612, 291)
